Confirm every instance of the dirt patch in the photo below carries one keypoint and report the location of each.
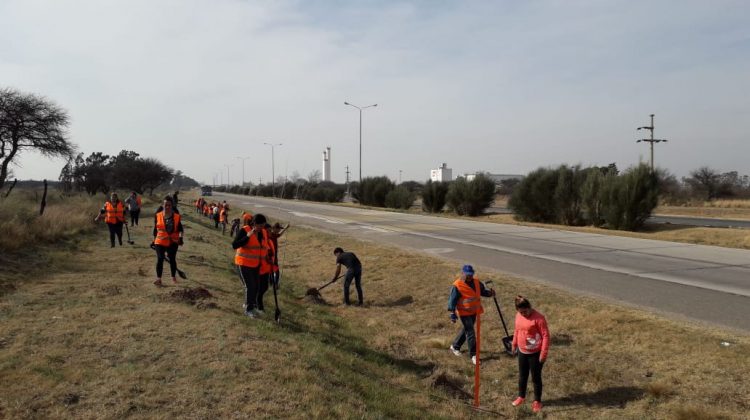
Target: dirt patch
(452, 386)
(402, 301)
(198, 238)
(313, 296)
(206, 305)
(71, 398)
(188, 295)
(111, 290)
(142, 272)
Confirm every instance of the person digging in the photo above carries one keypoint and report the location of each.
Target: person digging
(465, 301)
(353, 272)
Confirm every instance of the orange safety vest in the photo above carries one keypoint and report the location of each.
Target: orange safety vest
(267, 264)
(255, 252)
(469, 303)
(223, 216)
(163, 237)
(114, 214)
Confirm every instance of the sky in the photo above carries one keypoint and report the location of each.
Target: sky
(500, 86)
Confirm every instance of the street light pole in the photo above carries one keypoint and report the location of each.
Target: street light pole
(273, 168)
(651, 140)
(399, 176)
(243, 159)
(228, 183)
(360, 134)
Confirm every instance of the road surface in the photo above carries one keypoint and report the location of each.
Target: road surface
(702, 283)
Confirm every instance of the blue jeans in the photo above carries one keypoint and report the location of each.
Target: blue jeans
(467, 333)
(356, 275)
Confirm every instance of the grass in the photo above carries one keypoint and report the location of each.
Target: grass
(94, 339)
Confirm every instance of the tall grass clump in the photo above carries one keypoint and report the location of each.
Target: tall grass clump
(433, 196)
(473, 197)
(64, 217)
(399, 198)
(595, 196)
(373, 190)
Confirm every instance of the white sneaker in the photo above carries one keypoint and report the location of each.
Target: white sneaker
(455, 351)
(249, 314)
(259, 312)
(473, 360)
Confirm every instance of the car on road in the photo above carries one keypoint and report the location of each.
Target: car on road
(206, 190)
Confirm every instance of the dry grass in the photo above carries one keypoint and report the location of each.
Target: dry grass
(95, 339)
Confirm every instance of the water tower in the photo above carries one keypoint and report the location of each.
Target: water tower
(327, 164)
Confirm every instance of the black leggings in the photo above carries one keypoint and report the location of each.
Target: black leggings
(526, 363)
(115, 229)
(134, 214)
(262, 288)
(171, 252)
(249, 276)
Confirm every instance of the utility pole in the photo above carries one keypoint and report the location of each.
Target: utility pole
(651, 140)
(399, 176)
(347, 180)
(243, 159)
(228, 183)
(273, 168)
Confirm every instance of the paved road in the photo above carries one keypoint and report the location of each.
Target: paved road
(697, 282)
(673, 220)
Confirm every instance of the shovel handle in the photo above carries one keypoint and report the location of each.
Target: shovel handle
(330, 282)
(499, 312)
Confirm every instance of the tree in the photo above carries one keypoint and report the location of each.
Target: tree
(433, 196)
(704, 181)
(473, 197)
(314, 176)
(29, 121)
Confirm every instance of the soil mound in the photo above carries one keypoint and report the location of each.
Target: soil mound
(314, 297)
(189, 295)
(452, 386)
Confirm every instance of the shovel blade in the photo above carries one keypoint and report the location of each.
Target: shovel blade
(508, 344)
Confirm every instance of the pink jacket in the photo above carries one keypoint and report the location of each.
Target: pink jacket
(531, 334)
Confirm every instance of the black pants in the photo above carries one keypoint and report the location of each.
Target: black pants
(356, 275)
(171, 252)
(134, 214)
(250, 278)
(263, 280)
(115, 229)
(467, 333)
(526, 363)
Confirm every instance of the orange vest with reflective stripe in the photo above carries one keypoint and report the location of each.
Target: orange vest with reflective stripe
(266, 264)
(163, 237)
(114, 214)
(223, 216)
(254, 253)
(469, 303)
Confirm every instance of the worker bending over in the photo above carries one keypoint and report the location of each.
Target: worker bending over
(353, 272)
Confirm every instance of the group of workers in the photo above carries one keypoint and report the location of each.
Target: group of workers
(217, 212)
(256, 256)
(531, 338)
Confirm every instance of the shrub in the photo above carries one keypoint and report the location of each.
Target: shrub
(373, 190)
(591, 197)
(433, 196)
(534, 198)
(568, 194)
(399, 198)
(471, 197)
(629, 199)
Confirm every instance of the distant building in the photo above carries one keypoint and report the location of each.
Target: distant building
(326, 175)
(441, 174)
(498, 178)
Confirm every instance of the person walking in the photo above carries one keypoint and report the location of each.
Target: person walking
(252, 250)
(353, 272)
(223, 219)
(531, 343)
(168, 236)
(465, 301)
(113, 213)
(134, 208)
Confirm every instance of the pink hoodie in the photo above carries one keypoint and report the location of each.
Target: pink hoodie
(531, 334)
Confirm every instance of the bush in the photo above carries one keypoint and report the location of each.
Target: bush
(324, 192)
(473, 197)
(373, 190)
(433, 196)
(534, 198)
(568, 195)
(629, 199)
(591, 197)
(399, 198)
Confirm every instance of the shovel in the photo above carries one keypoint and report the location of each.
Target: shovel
(277, 314)
(508, 339)
(316, 292)
(166, 258)
(128, 231)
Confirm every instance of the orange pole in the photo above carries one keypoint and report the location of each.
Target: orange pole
(476, 367)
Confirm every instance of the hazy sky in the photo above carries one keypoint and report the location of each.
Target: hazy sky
(503, 86)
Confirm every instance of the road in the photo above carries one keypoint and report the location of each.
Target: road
(673, 220)
(695, 282)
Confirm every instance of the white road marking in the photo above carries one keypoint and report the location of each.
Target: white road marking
(315, 216)
(439, 250)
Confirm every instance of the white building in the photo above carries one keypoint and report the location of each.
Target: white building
(327, 164)
(443, 173)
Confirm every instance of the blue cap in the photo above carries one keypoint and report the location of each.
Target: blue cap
(467, 269)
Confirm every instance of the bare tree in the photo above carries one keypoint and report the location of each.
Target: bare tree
(29, 121)
(314, 176)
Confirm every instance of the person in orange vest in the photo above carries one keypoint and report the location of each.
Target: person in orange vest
(276, 232)
(113, 213)
(223, 219)
(531, 343)
(464, 303)
(134, 208)
(168, 233)
(252, 257)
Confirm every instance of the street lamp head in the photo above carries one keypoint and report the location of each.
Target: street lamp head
(346, 103)
(637, 141)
